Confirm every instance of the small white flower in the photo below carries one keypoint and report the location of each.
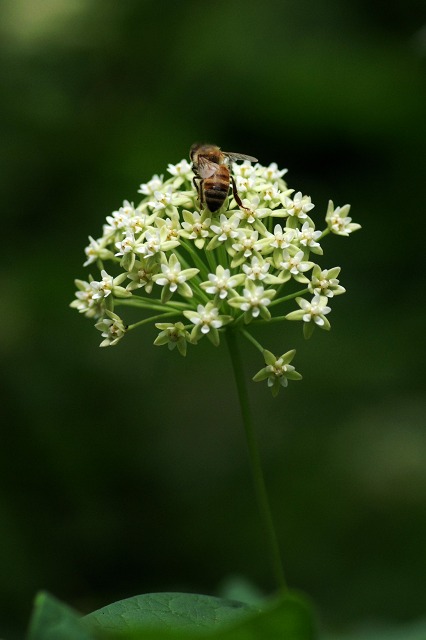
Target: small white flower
(276, 242)
(253, 301)
(181, 172)
(108, 285)
(244, 170)
(152, 244)
(142, 273)
(196, 227)
(338, 221)
(152, 186)
(139, 222)
(325, 283)
(119, 220)
(85, 303)
(298, 206)
(281, 239)
(221, 282)
(247, 240)
(104, 287)
(162, 199)
(271, 173)
(227, 228)
(278, 371)
(315, 310)
(312, 313)
(173, 278)
(126, 245)
(307, 237)
(155, 240)
(207, 321)
(257, 270)
(245, 183)
(174, 335)
(251, 211)
(97, 250)
(112, 328)
(295, 264)
(172, 225)
(269, 193)
(206, 317)
(182, 168)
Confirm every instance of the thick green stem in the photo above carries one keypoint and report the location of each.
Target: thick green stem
(255, 463)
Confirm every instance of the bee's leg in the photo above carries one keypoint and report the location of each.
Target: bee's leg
(197, 184)
(236, 196)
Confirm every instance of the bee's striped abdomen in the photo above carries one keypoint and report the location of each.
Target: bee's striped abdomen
(216, 188)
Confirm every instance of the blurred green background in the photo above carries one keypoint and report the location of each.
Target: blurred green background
(124, 470)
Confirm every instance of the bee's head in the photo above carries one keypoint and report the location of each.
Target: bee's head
(210, 151)
(194, 149)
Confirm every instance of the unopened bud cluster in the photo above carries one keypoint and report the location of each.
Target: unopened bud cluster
(195, 274)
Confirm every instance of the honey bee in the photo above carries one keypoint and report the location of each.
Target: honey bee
(212, 176)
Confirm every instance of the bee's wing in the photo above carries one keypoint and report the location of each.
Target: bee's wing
(206, 168)
(238, 156)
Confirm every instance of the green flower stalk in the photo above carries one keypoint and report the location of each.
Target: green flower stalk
(194, 274)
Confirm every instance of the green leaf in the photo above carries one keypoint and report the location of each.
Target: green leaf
(186, 617)
(52, 620)
(175, 616)
(166, 611)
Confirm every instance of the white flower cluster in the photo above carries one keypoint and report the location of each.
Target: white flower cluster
(194, 273)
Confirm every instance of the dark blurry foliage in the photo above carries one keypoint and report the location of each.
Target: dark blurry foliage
(124, 470)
